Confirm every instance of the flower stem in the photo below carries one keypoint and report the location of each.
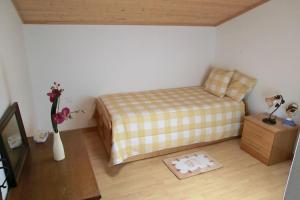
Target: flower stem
(58, 101)
(53, 112)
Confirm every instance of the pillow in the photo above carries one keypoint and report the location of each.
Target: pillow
(218, 81)
(239, 86)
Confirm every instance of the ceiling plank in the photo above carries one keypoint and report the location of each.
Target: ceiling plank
(133, 12)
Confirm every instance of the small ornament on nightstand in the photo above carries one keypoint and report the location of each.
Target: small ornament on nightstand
(291, 111)
(275, 101)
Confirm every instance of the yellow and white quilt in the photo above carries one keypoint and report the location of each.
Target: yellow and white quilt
(144, 122)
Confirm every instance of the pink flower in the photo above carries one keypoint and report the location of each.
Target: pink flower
(65, 112)
(60, 117)
(53, 94)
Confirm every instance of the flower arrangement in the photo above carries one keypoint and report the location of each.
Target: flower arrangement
(58, 117)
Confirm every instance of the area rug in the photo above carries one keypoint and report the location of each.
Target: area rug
(191, 164)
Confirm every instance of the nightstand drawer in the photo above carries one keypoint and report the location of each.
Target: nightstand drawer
(258, 148)
(258, 136)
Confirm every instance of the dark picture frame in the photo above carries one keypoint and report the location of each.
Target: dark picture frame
(13, 157)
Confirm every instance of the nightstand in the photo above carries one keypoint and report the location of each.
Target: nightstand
(268, 143)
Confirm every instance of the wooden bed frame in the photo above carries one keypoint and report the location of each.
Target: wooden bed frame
(105, 132)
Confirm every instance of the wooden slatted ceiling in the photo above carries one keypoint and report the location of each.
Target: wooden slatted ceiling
(139, 12)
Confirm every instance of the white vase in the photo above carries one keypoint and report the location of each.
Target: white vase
(58, 148)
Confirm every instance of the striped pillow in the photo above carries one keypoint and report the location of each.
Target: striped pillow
(218, 81)
(239, 86)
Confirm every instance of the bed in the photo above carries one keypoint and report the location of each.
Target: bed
(144, 124)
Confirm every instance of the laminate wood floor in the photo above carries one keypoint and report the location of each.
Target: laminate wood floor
(242, 177)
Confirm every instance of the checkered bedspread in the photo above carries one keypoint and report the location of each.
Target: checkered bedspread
(144, 122)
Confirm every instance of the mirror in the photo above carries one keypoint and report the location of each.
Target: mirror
(13, 144)
(12, 140)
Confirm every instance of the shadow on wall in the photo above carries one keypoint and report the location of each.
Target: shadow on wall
(206, 73)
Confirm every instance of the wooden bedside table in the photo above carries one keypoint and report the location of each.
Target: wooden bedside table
(268, 143)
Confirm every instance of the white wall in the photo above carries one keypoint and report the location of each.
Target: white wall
(93, 60)
(4, 103)
(264, 43)
(14, 79)
(13, 62)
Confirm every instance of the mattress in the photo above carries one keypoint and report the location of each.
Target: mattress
(149, 121)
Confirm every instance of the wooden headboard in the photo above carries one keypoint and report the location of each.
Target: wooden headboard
(246, 107)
